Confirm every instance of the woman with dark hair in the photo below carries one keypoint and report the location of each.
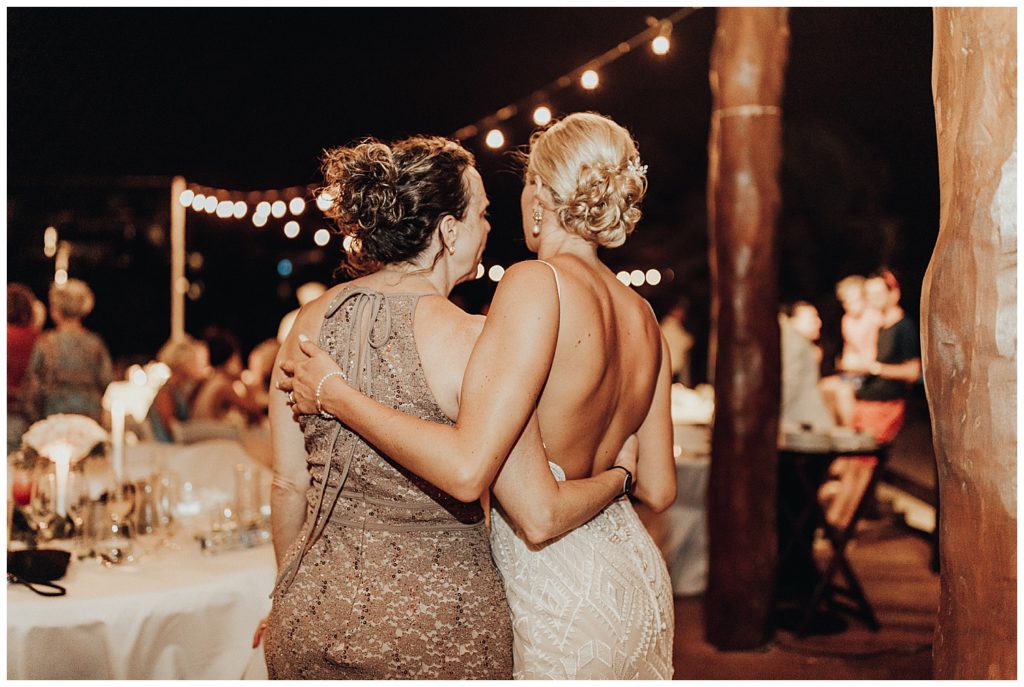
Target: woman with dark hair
(222, 396)
(70, 366)
(566, 339)
(383, 574)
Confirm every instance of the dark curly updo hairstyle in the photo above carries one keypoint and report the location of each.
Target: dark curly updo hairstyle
(391, 198)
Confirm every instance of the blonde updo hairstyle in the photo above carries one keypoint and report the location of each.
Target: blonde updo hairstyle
(391, 198)
(73, 299)
(592, 168)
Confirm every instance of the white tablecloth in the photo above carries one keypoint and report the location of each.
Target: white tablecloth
(171, 615)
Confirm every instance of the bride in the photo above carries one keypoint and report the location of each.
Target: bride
(563, 338)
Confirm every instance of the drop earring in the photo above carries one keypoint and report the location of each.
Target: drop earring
(538, 215)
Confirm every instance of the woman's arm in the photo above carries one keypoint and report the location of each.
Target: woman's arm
(504, 378)
(656, 467)
(543, 508)
(291, 477)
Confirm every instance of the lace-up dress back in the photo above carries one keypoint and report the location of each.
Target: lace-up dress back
(393, 578)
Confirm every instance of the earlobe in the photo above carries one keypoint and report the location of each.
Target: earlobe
(449, 233)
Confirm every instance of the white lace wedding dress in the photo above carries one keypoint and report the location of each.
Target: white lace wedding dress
(595, 603)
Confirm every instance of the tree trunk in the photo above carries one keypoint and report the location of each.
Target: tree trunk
(969, 324)
(744, 152)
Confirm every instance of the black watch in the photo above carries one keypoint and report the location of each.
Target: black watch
(627, 482)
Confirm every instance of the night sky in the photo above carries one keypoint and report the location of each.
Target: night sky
(105, 105)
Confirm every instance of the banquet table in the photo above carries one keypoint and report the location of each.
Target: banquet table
(175, 613)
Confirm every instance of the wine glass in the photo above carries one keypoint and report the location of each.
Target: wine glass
(115, 544)
(41, 509)
(79, 504)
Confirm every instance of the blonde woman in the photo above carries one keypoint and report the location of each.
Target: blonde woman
(566, 339)
(70, 367)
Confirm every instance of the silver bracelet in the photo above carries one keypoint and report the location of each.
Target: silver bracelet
(319, 408)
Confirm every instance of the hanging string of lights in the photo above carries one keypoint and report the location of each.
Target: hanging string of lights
(293, 200)
(658, 33)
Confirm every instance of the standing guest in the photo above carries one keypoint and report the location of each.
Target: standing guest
(680, 341)
(881, 400)
(172, 406)
(223, 395)
(21, 337)
(70, 366)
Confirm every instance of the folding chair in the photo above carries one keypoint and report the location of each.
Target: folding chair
(849, 597)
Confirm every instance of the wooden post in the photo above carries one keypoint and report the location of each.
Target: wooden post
(744, 153)
(179, 283)
(969, 336)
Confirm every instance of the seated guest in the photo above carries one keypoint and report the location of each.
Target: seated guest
(21, 337)
(860, 325)
(223, 396)
(70, 367)
(261, 365)
(802, 400)
(172, 406)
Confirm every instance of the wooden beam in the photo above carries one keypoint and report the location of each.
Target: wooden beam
(748, 62)
(969, 337)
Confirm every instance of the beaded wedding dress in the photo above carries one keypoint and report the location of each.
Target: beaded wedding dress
(595, 603)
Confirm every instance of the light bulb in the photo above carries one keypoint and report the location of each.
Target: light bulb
(589, 79)
(495, 139)
(542, 115)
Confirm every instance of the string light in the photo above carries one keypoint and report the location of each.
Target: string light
(324, 201)
(346, 243)
(653, 277)
(589, 78)
(50, 242)
(225, 209)
(623, 277)
(278, 208)
(263, 208)
(199, 202)
(637, 278)
(291, 229)
(210, 204)
(322, 237)
(480, 271)
(496, 272)
(186, 197)
(296, 205)
(60, 277)
(495, 139)
(542, 115)
(660, 45)
(259, 220)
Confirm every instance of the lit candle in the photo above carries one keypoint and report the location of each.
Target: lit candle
(60, 454)
(117, 432)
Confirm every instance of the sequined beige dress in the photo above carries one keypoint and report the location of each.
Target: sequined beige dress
(393, 578)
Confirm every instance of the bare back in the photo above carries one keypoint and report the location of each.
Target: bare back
(605, 368)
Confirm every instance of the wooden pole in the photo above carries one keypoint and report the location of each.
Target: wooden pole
(179, 283)
(744, 153)
(969, 336)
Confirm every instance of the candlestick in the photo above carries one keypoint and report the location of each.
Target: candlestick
(117, 413)
(60, 454)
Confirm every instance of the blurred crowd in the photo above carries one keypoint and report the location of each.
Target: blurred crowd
(212, 390)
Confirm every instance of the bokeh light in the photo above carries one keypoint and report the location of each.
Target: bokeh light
(660, 45)
(322, 237)
(278, 208)
(291, 229)
(589, 79)
(542, 115)
(186, 197)
(284, 267)
(653, 277)
(296, 205)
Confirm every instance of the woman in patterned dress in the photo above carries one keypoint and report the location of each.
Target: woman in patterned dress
(566, 339)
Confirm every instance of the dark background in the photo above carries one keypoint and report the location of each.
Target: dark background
(105, 105)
